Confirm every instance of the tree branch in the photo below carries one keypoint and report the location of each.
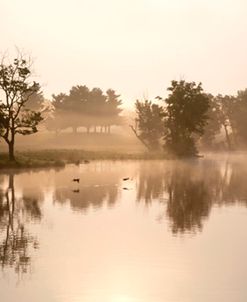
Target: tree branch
(140, 139)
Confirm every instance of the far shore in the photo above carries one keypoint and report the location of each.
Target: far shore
(61, 157)
(52, 158)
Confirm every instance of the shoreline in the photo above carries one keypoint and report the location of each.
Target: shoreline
(58, 158)
(53, 158)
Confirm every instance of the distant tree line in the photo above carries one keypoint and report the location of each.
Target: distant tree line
(90, 109)
(23, 106)
(188, 117)
(80, 108)
(227, 114)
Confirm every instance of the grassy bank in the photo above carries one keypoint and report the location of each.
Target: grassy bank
(58, 158)
(26, 161)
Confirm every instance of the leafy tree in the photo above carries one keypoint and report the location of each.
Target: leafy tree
(113, 102)
(35, 102)
(213, 125)
(149, 127)
(239, 117)
(86, 108)
(112, 110)
(17, 89)
(226, 107)
(186, 116)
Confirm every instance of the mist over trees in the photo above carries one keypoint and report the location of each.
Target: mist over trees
(190, 119)
(186, 109)
(228, 115)
(90, 109)
(181, 118)
(149, 124)
(185, 122)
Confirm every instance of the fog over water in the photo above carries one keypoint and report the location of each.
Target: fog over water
(174, 230)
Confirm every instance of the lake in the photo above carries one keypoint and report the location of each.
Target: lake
(173, 231)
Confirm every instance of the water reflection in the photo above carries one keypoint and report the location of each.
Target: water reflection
(234, 180)
(15, 239)
(98, 186)
(120, 252)
(190, 189)
(189, 199)
(186, 190)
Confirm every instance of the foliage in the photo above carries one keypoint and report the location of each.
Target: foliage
(213, 125)
(149, 124)
(17, 89)
(239, 118)
(186, 116)
(35, 102)
(86, 108)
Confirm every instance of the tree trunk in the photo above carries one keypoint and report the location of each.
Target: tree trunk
(11, 151)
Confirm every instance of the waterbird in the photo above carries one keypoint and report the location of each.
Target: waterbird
(76, 191)
(126, 178)
(76, 180)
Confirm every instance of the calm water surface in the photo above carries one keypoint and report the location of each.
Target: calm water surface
(174, 231)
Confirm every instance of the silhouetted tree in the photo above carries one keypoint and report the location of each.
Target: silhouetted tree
(17, 89)
(113, 109)
(85, 108)
(149, 127)
(35, 101)
(213, 124)
(239, 118)
(186, 116)
(60, 117)
(226, 106)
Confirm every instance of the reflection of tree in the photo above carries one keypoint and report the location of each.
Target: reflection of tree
(96, 188)
(189, 201)
(15, 240)
(235, 189)
(190, 189)
(88, 196)
(151, 184)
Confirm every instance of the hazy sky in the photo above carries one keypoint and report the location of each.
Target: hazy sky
(133, 46)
